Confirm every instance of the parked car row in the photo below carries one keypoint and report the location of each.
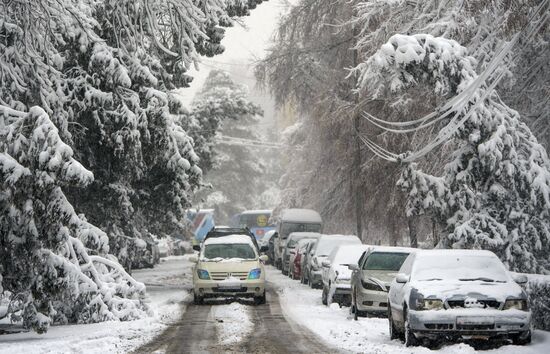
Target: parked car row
(427, 295)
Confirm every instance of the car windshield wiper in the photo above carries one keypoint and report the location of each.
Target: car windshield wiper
(431, 279)
(488, 280)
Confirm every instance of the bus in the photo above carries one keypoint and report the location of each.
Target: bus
(257, 221)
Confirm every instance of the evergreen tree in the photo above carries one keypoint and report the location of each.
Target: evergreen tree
(494, 192)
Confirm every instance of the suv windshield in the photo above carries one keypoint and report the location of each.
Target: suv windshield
(289, 227)
(228, 251)
(385, 261)
(460, 267)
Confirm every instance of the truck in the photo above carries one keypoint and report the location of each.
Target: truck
(294, 220)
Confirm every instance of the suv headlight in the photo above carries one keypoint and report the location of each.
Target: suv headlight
(203, 274)
(255, 273)
(371, 286)
(517, 304)
(429, 304)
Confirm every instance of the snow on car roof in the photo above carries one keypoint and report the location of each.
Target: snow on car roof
(456, 252)
(347, 254)
(248, 212)
(298, 235)
(229, 239)
(392, 249)
(301, 215)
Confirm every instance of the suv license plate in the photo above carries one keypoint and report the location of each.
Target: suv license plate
(229, 286)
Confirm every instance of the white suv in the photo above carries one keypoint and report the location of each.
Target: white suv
(229, 266)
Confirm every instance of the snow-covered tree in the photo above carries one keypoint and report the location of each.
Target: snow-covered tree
(91, 81)
(308, 69)
(494, 192)
(54, 263)
(238, 170)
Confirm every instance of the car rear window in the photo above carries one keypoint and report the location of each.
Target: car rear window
(228, 251)
(385, 261)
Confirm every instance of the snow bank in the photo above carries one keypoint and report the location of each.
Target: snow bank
(165, 293)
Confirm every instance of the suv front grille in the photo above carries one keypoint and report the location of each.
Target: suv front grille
(225, 275)
(486, 304)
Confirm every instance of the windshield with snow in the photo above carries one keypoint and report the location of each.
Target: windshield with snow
(228, 251)
(385, 261)
(289, 227)
(461, 267)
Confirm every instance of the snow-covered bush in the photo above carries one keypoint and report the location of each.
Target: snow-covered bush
(54, 263)
(494, 193)
(539, 297)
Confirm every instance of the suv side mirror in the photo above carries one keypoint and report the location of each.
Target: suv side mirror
(193, 259)
(353, 267)
(196, 247)
(402, 278)
(325, 263)
(263, 258)
(521, 279)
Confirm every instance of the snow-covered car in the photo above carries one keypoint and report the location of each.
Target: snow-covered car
(296, 258)
(322, 249)
(457, 294)
(288, 250)
(336, 274)
(294, 220)
(229, 266)
(263, 241)
(304, 260)
(372, 276)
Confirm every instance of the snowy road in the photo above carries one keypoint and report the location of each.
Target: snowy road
(225, 326)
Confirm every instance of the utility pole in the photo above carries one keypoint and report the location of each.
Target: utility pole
(357, 160)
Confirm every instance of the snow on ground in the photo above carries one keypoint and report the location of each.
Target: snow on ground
(165, 287)
(233, 322)
(336, 326)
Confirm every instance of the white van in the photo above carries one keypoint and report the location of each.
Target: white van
(294, 220)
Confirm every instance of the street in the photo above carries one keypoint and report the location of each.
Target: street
(272, 333)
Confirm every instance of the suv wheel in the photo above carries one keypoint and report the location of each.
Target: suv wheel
(197, 300)
(522, 338)
(410, 339)
(260, 300)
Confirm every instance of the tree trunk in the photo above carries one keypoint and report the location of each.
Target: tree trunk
(413, 231)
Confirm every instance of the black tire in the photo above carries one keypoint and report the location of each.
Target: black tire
(260, 300)
(410, 339)
(197, 300)
(393, 331)
(324, 296)
(522, 338)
